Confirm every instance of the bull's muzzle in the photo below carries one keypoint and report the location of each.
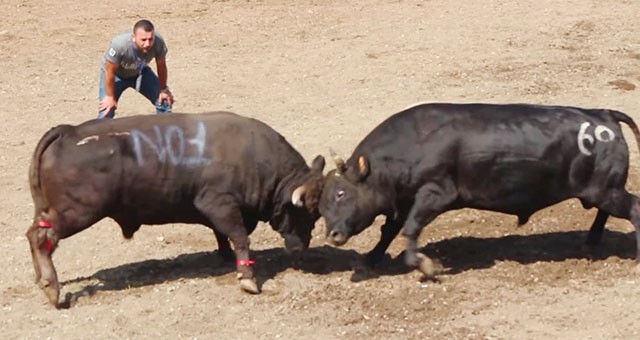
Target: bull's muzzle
(337, 238)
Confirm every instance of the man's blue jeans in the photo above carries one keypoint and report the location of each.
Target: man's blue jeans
(149, 87)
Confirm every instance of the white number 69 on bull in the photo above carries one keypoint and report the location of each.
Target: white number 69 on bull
(601, 133)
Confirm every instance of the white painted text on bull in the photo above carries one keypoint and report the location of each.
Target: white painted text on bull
(601, 133)
(171, 146)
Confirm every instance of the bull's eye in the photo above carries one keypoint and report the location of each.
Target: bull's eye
(339, 195)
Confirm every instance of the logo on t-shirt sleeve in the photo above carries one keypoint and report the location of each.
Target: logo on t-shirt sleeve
(112, 52)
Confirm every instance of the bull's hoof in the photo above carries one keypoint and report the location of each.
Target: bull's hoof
(249, 286)
(51, 291)
(429, 267)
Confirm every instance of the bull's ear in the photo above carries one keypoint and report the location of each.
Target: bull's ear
(318, 163)
(363, 168)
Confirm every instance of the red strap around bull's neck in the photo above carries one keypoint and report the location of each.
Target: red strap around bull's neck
(47, 244)
(245, 262)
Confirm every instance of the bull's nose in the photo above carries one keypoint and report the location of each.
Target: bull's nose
(336, 238)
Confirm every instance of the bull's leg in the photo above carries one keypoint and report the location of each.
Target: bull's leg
(620, 203)
(225, 214)
(224, 247)
(43, 236)
(635, 220)
(129, 225)
(597, 228)
(388, 232)
(30, 234)
(430, 201)
(43, 240)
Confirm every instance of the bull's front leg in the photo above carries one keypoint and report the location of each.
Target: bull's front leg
(430, 201)
(388, 233)
(244, 264)
(224, 248)
(225, 215)
(416, 260)
(43, 240)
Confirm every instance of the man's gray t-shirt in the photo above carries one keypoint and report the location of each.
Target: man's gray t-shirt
(123, 52)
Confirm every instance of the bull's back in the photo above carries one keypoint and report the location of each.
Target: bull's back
(489, 129)
(167, 160)
(193, 139)
(497, 154)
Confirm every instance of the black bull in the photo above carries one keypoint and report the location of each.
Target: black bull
(221, 170)
(514, 159)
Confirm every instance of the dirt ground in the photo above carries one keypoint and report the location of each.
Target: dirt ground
(323, 73)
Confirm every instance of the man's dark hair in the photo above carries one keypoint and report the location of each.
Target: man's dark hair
(145, 24)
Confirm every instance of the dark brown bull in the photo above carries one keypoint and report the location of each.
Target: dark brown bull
(219, 169)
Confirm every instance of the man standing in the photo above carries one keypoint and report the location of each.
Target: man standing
(124, 65)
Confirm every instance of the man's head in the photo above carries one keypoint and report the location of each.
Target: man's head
(143, 35)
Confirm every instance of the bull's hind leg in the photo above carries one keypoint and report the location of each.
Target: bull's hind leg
(33, 245)
(620, 203)
(43, 241)
(430, 201)
(43, 236)
(597, 228)
(225, 215)
(635, 220)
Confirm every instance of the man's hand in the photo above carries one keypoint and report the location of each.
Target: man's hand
(166, 95)
(107, 104)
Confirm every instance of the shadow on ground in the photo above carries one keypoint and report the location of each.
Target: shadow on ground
(458, 254)
(269, 262)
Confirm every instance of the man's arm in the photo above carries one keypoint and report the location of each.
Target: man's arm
(161, 64)
(109, 103)
(163, 74)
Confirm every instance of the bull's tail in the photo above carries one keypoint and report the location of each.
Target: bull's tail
(41, 234)
(623, 117)
(34, 169)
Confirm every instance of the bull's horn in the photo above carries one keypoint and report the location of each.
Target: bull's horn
(297, 196)
(336, 159)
